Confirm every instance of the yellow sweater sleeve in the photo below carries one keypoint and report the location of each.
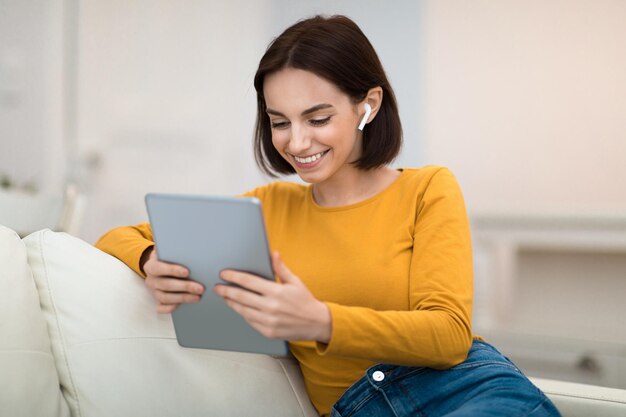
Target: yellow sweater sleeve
(436, 331)
(128, 243)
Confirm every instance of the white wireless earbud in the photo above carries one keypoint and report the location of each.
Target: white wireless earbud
(368, 111)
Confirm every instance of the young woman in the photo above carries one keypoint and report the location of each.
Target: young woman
(374, 265)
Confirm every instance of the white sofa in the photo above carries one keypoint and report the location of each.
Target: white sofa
(79, 336)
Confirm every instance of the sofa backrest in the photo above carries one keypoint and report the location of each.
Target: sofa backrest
(115, 356)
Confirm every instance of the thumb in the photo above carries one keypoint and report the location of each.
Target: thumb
(284, 274)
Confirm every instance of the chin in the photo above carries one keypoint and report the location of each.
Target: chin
(311, 177)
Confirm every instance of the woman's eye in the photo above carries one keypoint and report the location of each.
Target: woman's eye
(279, 125)
(320, 122)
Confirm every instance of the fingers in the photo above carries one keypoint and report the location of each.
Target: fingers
(255, 291)
(173, 290)
(170, 292)
(240, 296)
(248, 281)
(155, 267)
(174, 285)
(250, 294)
(168, 284)
(263, 323)
(164, 297)
(284, 309)
(166, 308)
(281, 269)
(168, 302)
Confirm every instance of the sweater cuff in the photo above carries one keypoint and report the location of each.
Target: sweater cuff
(337, 324)
(136, 263)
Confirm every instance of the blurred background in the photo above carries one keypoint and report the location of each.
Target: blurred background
(102, 101)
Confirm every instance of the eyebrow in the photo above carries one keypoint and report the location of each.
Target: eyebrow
(304, 113)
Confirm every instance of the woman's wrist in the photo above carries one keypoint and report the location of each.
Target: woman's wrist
(144, 258)
(325, 324)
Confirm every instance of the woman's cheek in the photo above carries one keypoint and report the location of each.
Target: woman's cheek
(279, 140)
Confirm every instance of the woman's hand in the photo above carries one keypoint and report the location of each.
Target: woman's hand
(278, 310)
(167, 284)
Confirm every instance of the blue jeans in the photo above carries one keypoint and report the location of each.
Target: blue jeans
(486, 384)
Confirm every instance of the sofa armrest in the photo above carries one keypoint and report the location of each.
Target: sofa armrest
(581, 400)
(28, 377)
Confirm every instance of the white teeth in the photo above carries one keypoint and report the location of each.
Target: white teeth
(309, 159)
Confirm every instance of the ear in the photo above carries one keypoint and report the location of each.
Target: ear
(374, 98)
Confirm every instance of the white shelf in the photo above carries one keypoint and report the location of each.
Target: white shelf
(550, 289)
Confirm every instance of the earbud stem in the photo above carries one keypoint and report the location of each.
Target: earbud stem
(368, 111)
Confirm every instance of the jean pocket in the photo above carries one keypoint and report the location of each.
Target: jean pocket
(485, 363)
(484, 355)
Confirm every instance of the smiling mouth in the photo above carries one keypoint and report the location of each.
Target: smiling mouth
(309, 159)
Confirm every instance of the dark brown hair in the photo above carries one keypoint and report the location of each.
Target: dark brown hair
(336, 49)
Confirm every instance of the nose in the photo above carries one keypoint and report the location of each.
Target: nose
(299, 141)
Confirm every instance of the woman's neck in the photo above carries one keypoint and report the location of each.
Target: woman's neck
(353, 186)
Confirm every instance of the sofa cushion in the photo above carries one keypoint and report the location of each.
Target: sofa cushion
(117, 357)
(28, 380)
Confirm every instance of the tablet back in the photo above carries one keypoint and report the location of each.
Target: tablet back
(207, 234)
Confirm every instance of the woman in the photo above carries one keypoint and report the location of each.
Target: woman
(374, 266)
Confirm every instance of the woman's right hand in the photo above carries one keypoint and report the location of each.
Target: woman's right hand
(168, 283)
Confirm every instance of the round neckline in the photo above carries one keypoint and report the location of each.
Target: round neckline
(403, 173)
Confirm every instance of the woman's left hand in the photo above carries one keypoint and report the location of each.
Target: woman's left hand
(278, 310)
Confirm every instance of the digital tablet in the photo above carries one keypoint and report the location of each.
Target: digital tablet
(207, 234)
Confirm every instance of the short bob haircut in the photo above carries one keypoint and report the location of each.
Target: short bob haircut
(335, 49)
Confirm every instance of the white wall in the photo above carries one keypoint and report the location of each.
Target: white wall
(166, 101)
(32, 94)
(524, 100)
(165, 94)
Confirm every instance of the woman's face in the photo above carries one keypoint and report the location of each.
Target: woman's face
(314, 124)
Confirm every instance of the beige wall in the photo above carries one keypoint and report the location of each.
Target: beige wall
(526, 102)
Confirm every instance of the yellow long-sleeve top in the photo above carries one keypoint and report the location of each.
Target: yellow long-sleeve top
(395, 271)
